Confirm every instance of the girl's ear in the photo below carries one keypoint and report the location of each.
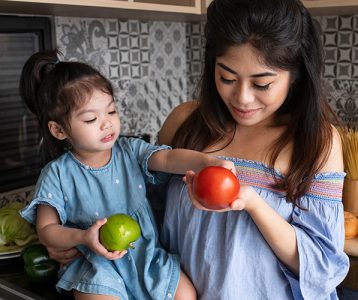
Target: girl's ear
(56, 130)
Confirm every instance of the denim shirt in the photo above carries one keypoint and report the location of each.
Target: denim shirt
(81, 195)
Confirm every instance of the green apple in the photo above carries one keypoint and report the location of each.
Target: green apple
(119, 232)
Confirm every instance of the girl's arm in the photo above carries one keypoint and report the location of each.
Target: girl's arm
(178, 161)
(52, 234)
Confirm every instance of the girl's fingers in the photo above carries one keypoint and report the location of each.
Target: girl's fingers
(100, 222)
(115, 254)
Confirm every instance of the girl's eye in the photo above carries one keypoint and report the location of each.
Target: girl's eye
(226, 81)
(90, 121)
(262, 87)
(112, 112)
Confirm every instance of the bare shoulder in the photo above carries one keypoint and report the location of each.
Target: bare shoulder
(334, 161)
(177, 116)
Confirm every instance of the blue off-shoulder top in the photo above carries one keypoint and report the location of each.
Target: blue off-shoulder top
(227, 258)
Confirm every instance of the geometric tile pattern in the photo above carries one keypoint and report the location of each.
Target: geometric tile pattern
(340, 39)
(155, 65)
(153, 58)
(145, 61)
(195, 50)
(133, 49)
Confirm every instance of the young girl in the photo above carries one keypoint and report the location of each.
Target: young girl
(93, 175)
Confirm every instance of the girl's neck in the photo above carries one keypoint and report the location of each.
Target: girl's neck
(93, 159)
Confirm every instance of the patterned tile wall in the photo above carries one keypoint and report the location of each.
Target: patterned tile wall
(146, 62)
(155, 65)
(340, 39)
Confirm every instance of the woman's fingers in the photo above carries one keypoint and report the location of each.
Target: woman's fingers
(63, 256)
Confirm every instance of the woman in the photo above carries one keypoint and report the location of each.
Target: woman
(261, 106)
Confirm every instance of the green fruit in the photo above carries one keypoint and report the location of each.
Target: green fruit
(119, 232)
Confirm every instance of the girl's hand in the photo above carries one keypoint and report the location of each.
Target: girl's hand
(246, 199)
(91, 239)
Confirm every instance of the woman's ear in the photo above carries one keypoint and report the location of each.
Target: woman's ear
(56, 130)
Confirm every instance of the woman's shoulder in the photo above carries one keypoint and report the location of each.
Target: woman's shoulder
(177, 116)
(334, 162)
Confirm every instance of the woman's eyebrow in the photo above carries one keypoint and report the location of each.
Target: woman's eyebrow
(263, 74)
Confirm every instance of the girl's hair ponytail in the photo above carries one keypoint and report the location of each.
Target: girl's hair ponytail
(33, 73)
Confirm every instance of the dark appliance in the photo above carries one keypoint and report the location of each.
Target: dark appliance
(20, 37)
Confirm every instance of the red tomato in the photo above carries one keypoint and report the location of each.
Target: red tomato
(216, 187)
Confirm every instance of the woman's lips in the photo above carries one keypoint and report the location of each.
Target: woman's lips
(245, 113)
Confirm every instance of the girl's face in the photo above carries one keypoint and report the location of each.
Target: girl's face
(95, 126)
(252, 91)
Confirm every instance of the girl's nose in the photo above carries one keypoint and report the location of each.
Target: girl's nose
(106, 124)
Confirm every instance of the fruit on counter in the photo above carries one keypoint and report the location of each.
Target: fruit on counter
(119, 232)
(216, 187)
(39, 267)
(350, 225)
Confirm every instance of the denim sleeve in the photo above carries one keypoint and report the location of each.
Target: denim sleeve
(48, 191)
(320, 241)
(142, 151)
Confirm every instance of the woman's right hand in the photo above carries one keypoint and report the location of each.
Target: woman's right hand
(63, 256)
(247, 198)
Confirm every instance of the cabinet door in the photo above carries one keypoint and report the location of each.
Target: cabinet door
(173, 6)
(326, 7)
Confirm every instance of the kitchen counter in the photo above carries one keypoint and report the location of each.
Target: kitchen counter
(15, 285)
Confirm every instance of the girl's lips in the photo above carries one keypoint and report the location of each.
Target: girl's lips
(108, 138)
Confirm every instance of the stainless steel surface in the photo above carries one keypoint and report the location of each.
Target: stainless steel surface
(9, 291)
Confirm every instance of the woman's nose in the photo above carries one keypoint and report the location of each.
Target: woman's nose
(244, 94)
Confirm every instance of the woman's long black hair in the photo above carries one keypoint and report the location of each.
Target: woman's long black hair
(288, 38)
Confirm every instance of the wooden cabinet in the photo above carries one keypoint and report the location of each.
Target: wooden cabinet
(327, 7)
(332, 7)
(107, 8)
(150, 9)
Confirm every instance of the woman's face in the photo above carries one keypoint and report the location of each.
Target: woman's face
(252, 91)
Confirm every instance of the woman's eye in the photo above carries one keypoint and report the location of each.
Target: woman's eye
(226, 81)
(262, 87)
(90, 121)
